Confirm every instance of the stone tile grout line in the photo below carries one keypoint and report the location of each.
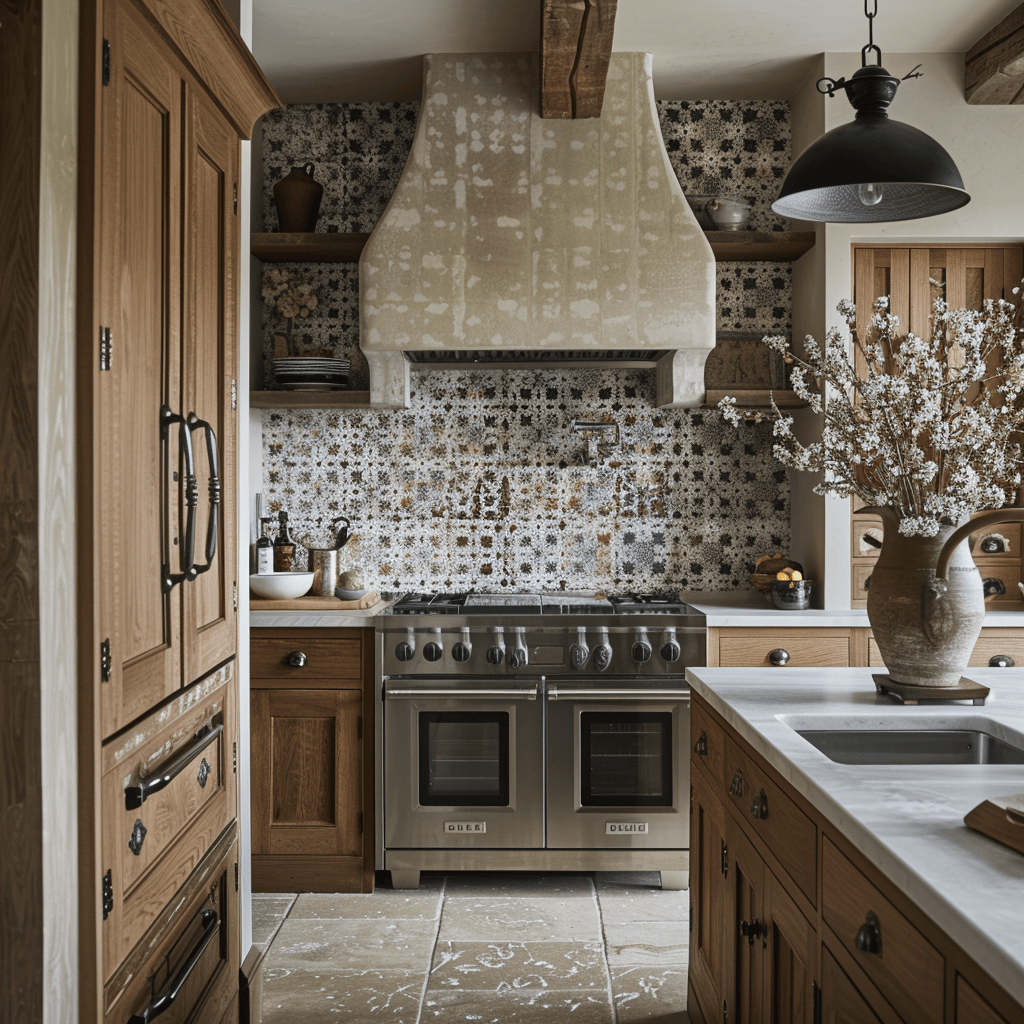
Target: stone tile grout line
(433, 950)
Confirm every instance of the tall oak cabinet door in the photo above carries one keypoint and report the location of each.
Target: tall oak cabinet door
(209, 243)
(139, 534)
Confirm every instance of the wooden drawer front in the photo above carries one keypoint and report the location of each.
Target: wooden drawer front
(772, 816)
(841, 1003)
(991, 644)
(195, 944)
(907, 970)
(1001, 541)
(335, 659)
(972, 1007)
(860, 582)
(154, 838)
(866, 537)
(999, 572)
(808, 647)
(707, 743)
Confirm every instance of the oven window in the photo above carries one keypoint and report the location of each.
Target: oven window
(463, 758)
(626, 758)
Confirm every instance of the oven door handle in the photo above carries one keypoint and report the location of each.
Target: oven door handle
(468, 694)
(634, 695)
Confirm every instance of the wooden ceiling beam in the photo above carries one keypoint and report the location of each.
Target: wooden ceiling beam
(575, 48)
(994, 65)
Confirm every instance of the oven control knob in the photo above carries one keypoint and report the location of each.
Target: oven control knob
(461, 650)
(579, 652)
(519, 656)
(406, 650)
(433, 650)
(670, 649)
(602, 651)
(496, 654)
(642, 649)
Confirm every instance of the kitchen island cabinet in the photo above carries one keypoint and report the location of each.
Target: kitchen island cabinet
(908, 919)
(312, 760)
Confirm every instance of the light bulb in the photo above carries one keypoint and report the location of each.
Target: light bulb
(870, 194)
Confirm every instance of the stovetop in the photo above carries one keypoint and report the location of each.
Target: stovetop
(472, 603)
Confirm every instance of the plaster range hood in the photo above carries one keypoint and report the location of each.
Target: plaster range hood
(512, 240)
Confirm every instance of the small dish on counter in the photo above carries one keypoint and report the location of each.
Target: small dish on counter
(349, 595)
(280, 586)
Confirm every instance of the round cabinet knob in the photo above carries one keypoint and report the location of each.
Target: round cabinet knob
(297, 659)
(1000, 661)
(495, 655)
(405, 651)
(642, 651)
(780, 656)
(433, 651)
(671, 651)
(462, 650)
(602, 657)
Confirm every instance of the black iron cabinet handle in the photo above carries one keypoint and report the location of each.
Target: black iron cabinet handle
(187, 554)
(135, 796)
(213, 525)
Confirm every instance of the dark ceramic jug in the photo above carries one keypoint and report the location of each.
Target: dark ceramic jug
(298, 199)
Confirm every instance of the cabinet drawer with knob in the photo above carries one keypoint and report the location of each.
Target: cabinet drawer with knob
(906, 968)
(772, 648)
(707, 743)
(768, 813)
(297, 659)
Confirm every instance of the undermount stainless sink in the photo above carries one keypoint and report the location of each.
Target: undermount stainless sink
(913, 746)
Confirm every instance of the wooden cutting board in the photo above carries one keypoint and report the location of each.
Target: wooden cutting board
(313, 604)
(1001, 818)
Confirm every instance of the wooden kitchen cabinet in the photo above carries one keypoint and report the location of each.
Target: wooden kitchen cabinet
(858, 948)
(312, 766)
(165, 93)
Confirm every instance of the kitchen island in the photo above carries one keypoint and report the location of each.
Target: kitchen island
(897, 833)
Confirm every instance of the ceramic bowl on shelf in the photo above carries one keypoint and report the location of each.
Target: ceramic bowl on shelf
(280, 586)
(728, 213)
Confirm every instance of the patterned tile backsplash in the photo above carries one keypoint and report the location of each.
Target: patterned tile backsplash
(482, 482)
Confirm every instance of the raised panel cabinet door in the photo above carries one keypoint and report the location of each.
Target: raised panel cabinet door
(210, 247)
(747, 954)
(709, 921)
(841, 1002)
(792, 948)
(138, 534)
(306, 772)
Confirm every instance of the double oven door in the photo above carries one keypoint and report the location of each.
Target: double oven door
(617, 770)
(464, 763)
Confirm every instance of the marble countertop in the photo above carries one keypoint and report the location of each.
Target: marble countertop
(907, 820)
(300, 618)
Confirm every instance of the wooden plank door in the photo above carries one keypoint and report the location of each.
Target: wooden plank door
(210, 243)
(138, 461)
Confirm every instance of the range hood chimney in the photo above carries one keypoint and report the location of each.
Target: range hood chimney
(514, 240)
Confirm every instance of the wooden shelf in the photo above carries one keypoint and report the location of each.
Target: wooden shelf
(759, 246)
(756, 398)
(308, 247)
(309, 399)
(334, 247)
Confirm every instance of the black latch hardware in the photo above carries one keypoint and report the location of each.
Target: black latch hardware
(106, 62)
(105, 662)
(108, 894)
(106, 348)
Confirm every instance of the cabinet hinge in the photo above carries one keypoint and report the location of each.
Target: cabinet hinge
(816, 1001)
(106, 62)
(236, 876)
(108, 894)
(359, 727)
(234, 596)
(725, 1011)
(106, 348)
(105, 661)
(725, 859)
(234, 394)
(234, 758)
(359, 822)
(234, 196)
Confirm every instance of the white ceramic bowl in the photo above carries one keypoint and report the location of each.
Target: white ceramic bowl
(349, 595)
(281, 585)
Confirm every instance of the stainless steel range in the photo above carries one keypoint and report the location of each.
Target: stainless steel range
(535, 732)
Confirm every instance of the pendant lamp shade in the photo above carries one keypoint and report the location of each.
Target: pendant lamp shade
(873, 169)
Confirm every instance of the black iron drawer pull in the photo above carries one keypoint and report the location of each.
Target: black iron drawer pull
(754, 930)
(869, 935)
(736, 786)
(759, 808)
(701, 746)
(1001, 661)
(135, 796)
(778, 657)
(163, 1003)
(297, 659)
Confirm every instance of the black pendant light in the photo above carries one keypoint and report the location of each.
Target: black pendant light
(873, 169)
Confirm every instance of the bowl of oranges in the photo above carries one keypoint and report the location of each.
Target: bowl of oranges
(767, 569)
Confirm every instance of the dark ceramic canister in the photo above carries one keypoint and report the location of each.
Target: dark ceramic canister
(298, 199)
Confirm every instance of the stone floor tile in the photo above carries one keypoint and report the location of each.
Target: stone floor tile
(268, 911)
(309, 997)
(389, 904)
(511, 966)
(642, 993)
(517, 1007)
(525, 919)
(644, 905)
(311, 945)
(541, 884)
(646, 943)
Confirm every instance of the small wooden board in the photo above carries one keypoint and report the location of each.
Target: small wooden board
(906, 693)
(313, 604)
(1001, 818)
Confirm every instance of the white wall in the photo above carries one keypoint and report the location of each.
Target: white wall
(56, 412)
(987, 144)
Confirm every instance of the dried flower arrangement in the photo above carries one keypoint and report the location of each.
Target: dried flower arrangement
(290, 298)
(932, 428)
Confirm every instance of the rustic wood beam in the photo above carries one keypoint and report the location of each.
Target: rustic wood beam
(994, 65)
(576, 45)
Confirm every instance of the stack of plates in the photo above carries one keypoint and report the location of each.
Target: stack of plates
(311, 373)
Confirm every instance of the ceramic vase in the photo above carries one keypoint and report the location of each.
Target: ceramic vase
(298, 196)
(926, 603)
